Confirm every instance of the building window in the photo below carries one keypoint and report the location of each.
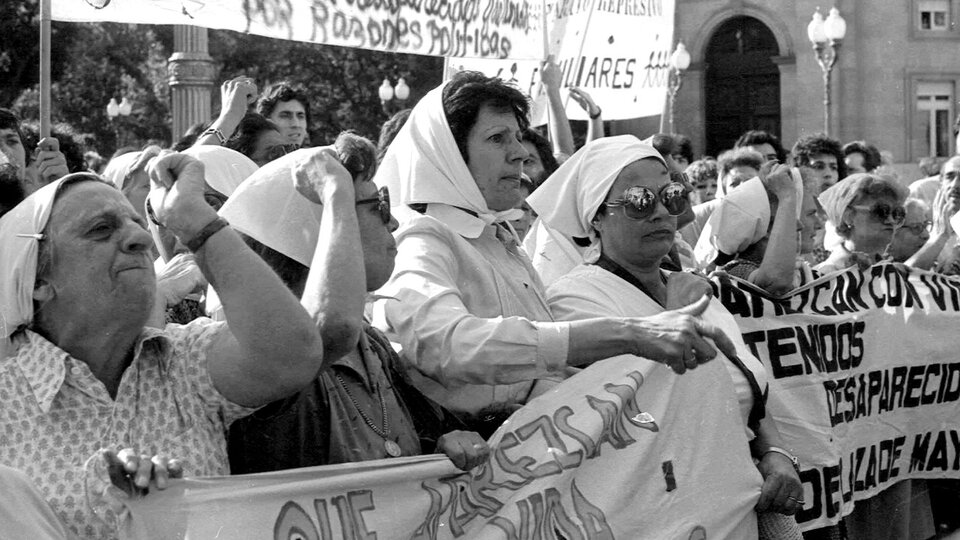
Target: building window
(934, 14)
(935, 114)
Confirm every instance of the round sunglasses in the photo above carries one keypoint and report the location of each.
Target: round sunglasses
(639, 202)
(883, 211)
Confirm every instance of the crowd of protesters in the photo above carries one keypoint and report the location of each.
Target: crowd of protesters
(206, 310)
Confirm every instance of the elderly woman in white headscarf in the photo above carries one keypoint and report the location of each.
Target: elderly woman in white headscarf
(467, 307)
(617, 193)
(82, 377)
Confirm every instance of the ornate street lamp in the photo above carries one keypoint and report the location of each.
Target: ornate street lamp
(826, 35)
(115, 111)
(388, 92)
(679, 62)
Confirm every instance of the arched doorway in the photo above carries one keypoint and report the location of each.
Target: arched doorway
(742, 85)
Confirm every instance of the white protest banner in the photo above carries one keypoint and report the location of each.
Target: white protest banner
(462, 28)
(625, 449)
(618, 51)
(865, 370)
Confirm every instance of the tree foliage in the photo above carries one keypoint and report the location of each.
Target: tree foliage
(93, 62)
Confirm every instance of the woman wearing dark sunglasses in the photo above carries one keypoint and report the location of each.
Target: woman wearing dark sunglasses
(616, 192)
(866, 209)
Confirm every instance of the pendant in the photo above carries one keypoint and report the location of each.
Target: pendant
(392, 448)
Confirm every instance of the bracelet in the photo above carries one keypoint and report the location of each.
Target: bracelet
(793, 459)
(597, 114)
(217, 132)
(205, 233)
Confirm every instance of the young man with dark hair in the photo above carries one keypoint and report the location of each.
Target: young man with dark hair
(15, 183)
(818, 156)
(764, 142)
(286, 106)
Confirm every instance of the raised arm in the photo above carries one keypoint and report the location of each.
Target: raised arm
(775, 274)
(236, 95)
(560, 133)
(943, 209)
(595, 127)
(336, 286)
(273, 347)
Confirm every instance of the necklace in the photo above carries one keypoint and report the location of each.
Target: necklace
(392, 448)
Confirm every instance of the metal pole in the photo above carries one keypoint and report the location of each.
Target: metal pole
(45, 16)
(826, 100)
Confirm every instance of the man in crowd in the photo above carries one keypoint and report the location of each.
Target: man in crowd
(287, 106)
(15, 182)
(818, 156)
(764, 142)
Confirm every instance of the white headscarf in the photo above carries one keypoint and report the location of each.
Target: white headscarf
(568, 200)
(424, 165)
(741, 219)
(224, 168)
(268, 208)
(118, 169)
(21, 230)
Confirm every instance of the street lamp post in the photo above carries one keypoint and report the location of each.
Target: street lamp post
(679, 62)
(388, 92)
(826, 35)
(115, 111)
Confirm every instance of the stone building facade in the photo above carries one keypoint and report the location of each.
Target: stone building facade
(895, 84)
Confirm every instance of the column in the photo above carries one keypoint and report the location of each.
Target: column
(191, 74)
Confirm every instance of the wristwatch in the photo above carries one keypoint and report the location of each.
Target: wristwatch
(793, 459)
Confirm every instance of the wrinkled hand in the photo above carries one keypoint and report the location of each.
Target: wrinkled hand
(176, 194)
(51, 163)
(550, 74)
(237, 94)
(678, 338)
(136, 473)
(778, 180)
(685, 288)
(584, 100)
(951, 265)
(466, 449)
(782, 491)
(179, 277)
(318, 174)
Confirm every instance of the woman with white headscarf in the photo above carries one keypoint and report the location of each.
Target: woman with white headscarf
(617, 193)
(466, 306)
(80, 374)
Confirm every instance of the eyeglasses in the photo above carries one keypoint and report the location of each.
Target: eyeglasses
(918, 228)
(883, 211)
(639, 202)
(383, 204)
(279, 151)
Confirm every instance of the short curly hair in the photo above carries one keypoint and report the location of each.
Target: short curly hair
(738, 157)
(468, 92)
(870, 153)
(818, 144)
(282, 92)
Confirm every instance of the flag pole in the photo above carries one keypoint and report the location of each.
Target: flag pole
(45, 16)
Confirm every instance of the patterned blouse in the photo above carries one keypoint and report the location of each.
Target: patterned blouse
(55, 416)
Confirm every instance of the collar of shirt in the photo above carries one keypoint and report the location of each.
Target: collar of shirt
(369, 362)
(43, 364)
